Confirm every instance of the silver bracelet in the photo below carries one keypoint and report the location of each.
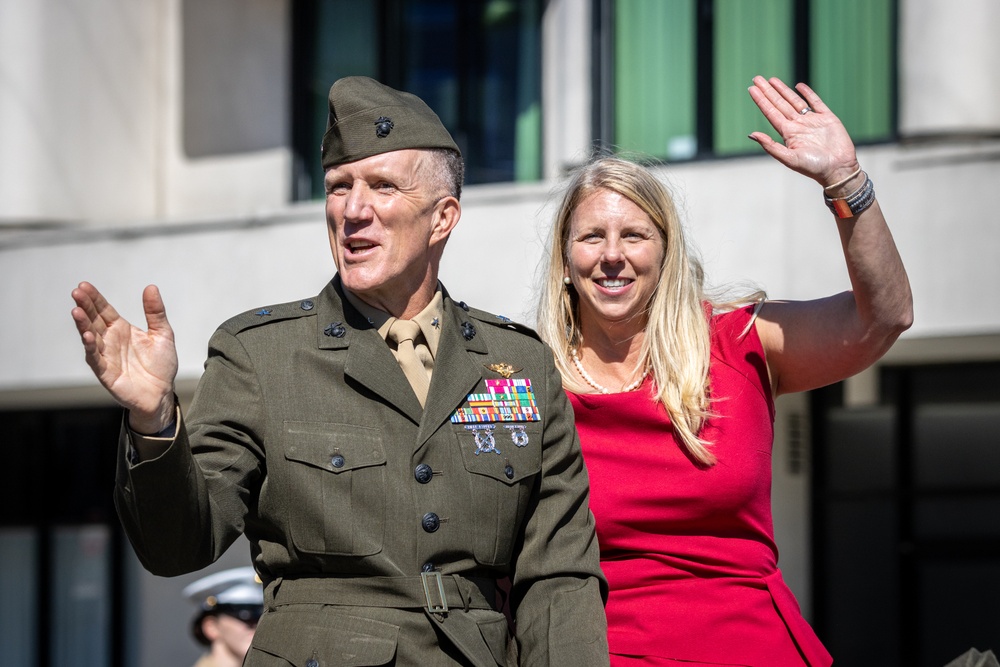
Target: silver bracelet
(854, 203)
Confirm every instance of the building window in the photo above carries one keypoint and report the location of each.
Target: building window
(61, 584)
(906, 517)
(681, 69)
(477, 63)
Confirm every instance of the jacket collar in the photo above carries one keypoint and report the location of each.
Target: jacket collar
(457, 366)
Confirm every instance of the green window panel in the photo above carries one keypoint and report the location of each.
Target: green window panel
(852, 62)
(655, 77)
(658, 80)
(750, 37)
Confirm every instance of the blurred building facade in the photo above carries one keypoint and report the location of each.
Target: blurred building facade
(176, 142)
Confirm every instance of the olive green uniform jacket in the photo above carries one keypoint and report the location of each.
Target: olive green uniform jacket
(305, 435)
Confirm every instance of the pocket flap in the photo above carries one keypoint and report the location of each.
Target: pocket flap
(507, 453)
(332, 639)
(336, 448)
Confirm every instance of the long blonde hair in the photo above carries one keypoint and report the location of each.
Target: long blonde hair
(676, 345)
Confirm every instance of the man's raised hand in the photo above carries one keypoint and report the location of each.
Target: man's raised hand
(137, 367)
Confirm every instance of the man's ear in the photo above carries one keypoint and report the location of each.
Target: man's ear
(447, 212)
(210, 627)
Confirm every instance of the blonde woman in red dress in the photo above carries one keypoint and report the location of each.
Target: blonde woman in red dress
(674, 394)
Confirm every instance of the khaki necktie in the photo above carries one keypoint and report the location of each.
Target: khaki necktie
(404, 332)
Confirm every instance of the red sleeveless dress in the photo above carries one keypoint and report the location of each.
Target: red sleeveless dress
(689, 552)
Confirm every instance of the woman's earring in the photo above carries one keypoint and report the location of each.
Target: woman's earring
(567, 281)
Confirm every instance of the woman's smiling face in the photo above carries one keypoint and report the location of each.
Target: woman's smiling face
(614, 256)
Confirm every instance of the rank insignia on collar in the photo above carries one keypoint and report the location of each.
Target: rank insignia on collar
(503, 368)
(263, 312)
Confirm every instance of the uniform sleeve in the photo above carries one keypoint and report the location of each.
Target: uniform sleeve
(182, 509)
(558, 590)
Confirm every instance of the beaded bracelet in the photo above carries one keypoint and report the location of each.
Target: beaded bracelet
(842, 181)
(854, 203)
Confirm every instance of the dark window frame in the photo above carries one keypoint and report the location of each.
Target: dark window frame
(904, 389)
(392, 69)
(52, 470)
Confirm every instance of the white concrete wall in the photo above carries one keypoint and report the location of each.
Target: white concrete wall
(567, 77)
(236, 65)
(79, 108)
(949, 54)
(93, 122)
(751, 219)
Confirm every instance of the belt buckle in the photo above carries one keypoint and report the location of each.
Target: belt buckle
(425, 578)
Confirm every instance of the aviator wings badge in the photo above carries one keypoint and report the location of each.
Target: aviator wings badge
(504, 369)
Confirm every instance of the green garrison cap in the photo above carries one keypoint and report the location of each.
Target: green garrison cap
(368, 118)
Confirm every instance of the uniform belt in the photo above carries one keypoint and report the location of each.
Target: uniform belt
(432, 591)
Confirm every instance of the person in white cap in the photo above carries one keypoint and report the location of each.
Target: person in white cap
(230, 603)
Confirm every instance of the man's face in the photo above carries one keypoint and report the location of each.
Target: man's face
(387, 224)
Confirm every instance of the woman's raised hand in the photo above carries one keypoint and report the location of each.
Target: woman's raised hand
(816, 143)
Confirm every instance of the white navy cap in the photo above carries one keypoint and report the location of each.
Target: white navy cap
(238, 586)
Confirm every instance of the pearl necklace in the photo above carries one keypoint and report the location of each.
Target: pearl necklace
(593, 383)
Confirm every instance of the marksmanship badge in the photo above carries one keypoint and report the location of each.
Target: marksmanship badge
(485, 442)
(517, 434)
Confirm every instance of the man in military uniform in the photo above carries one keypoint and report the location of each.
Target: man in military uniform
(389, 453)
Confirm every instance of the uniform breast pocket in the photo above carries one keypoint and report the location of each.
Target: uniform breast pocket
(503, 462)
(336, 488)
